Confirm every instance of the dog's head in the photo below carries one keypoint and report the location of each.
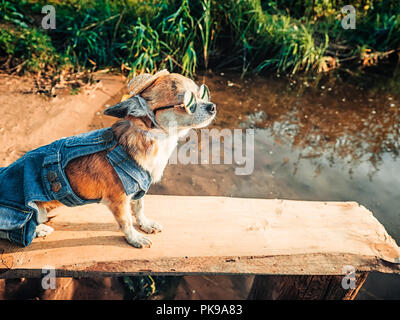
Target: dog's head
(167, 101)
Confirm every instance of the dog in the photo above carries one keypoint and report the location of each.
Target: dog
(114, 166)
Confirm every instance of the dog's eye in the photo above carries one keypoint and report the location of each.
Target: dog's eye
(189, 101)
(204, 93)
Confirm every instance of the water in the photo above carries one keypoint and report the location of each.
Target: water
(330, 138)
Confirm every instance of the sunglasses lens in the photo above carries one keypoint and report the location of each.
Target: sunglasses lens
(204, 93)
(190, 102)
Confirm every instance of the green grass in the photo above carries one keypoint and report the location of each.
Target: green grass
(185, 36)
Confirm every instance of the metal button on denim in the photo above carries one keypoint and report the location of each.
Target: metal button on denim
(107, 136)
(56, 186)
(52, 176)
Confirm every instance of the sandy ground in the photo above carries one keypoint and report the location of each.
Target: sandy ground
(29, 120)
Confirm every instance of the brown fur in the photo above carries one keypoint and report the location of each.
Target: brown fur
(92, 177)
(131, 134)
(50, 205)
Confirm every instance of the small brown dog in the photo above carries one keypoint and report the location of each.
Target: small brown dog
(161, 108)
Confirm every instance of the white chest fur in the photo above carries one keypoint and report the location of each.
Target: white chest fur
(166, 143)
(155, 165)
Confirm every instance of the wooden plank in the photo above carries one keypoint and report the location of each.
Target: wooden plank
(216, 235)
(304, 287)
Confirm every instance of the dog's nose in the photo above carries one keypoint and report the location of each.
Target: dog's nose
(211, 108)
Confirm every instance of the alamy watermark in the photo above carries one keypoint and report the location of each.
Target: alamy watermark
(349, 280)
(49, 20)
(349, 21)
(49, 278)
(205, 148)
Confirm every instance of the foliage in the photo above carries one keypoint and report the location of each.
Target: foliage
(246, 35)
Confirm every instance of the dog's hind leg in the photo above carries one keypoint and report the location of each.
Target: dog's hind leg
(144, 223)
(42, 214)
(121, 209)
(43, 230)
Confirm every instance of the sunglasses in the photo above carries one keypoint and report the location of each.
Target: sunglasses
(190, 101)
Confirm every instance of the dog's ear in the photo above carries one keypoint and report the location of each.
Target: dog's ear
(135, 105)
(143, 81)
(131, 106)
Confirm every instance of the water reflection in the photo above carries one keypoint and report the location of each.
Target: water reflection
(324, 117)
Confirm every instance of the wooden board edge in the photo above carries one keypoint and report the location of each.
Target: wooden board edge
(303, 264)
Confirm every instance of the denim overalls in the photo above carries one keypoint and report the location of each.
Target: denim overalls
(39, 176)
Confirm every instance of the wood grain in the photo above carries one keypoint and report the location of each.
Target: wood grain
(215, 235)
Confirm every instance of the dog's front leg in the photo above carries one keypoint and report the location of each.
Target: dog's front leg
(145, 224)
(122, 213)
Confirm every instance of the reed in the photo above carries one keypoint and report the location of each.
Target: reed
(185, 36)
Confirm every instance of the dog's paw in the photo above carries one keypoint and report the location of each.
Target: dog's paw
(43, 230)
(150, 226)
(139, 241)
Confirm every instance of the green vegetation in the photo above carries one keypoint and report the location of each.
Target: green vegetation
(185, 36)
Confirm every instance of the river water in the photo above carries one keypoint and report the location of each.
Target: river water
(332, 138)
